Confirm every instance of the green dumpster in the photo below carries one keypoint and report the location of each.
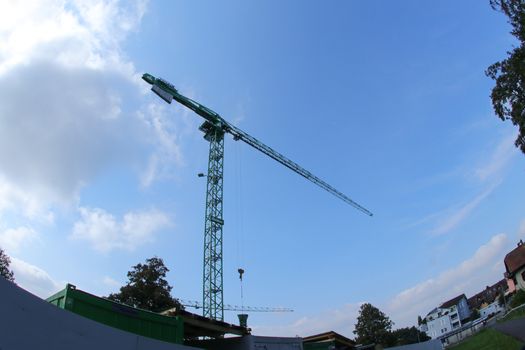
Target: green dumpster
(126, 318)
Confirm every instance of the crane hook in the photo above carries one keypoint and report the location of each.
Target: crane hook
(241, 271)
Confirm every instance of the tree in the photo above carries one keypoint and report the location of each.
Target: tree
(508, 95)
(474, 314)
(147, 287)
(373, 326)
(518, 298)
(4, 267)
(405, 336)
(501, 299)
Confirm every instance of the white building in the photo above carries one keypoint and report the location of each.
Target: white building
(438, 323)
(492, 308)
(447, 317)
(515, 265)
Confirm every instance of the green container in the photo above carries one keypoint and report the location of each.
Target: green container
(126, 318)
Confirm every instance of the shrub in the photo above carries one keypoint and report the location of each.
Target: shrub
(518, 299)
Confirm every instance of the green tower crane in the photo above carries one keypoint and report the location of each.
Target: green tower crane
(214, 128)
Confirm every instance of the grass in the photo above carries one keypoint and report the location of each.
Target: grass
(489, 339)
(513, 315)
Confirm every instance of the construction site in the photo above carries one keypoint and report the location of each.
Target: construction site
(249, 175)
(86, 321)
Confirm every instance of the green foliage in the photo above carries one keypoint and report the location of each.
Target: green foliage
(405, 336)
(147, 287)
(518, 299)
(501, 299)
(4, 267)
(518, 313)
(474, 314)
(488, 339)
(373, 326)
(508, 95)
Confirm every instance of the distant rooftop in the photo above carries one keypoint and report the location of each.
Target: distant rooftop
(515, 260)
(453, 301)
(330, 336)
(488, 295)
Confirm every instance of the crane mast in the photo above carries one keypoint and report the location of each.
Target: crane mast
(214, 128)
(212, 298)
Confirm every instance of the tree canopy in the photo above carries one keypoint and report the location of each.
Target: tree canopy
(373, 326)
(405, 336)
(518, 298)
(147, 287)
(508, 95)
(4, 267)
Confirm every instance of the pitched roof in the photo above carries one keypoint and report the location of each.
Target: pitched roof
(488, 295)
(331, 335)
(515, 260)
(432, 311)
(453, 301)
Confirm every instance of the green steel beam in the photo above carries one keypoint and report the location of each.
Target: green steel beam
(212, 298)
(214, 129)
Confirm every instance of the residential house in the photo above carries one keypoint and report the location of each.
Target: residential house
(438, 323)
(447, 317)
(491, 309)
(515, 266)
(459, 310)
(488, 296)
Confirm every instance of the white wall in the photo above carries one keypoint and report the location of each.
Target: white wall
(519, 279)
(491, 308)
(439, 326)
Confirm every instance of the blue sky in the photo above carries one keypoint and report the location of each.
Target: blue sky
(386, 101)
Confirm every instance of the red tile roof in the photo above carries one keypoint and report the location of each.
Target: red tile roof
(515, 260)
(453, 301)
(488, 295)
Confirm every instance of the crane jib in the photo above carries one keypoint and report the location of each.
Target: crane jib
(164, 90)
(238, 134)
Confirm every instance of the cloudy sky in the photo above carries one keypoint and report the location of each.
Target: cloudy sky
(386, 101)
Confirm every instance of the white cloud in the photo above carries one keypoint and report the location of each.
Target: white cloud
(489, 174)
(34, 279)
(239, 115)
(14, 238)
(498, 160)
(460, 214)
(76, 33)
(163, 130)
(482, 269)
(112, 283)
(106, 233)
(68, 100)
(341, 320)
(28, 203)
